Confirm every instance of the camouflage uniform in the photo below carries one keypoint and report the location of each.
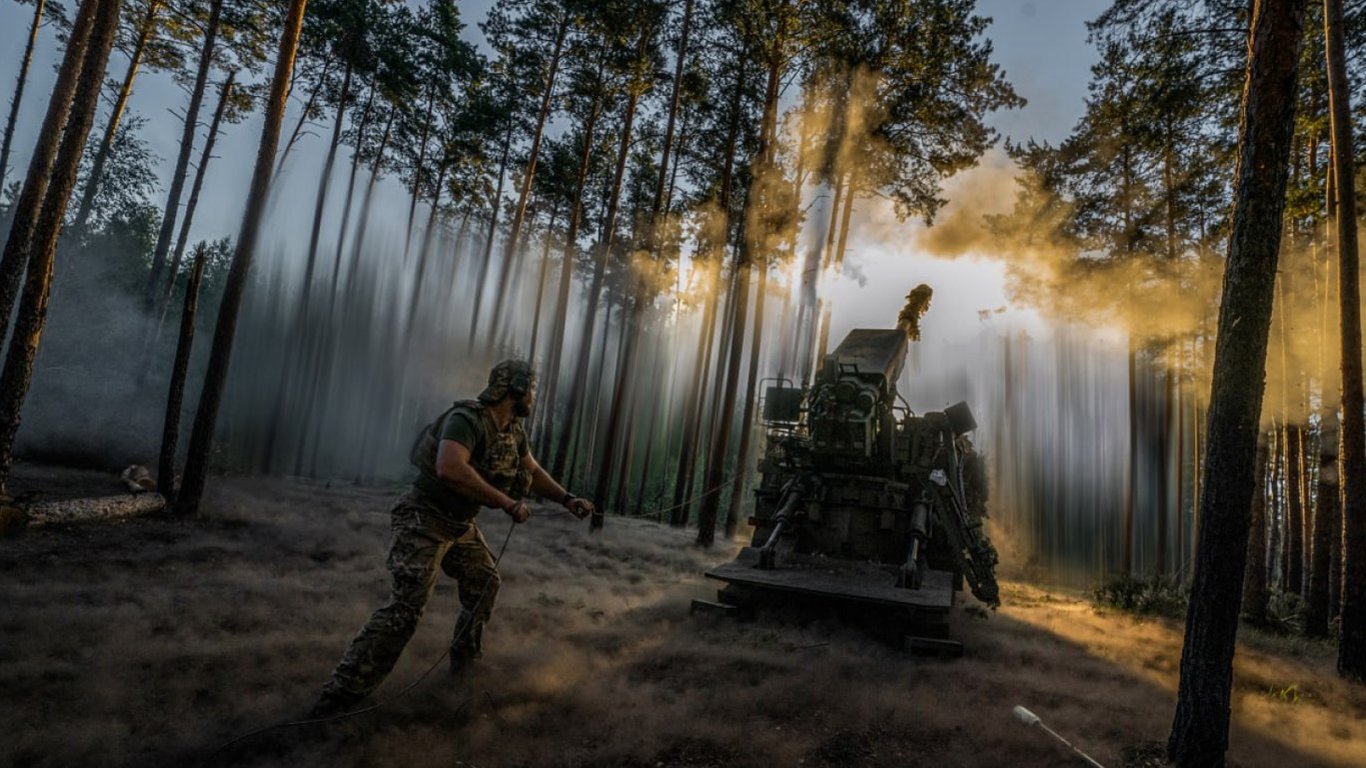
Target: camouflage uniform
(433, 525)
(418, 547)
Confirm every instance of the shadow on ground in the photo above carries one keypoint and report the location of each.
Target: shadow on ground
(155, 641)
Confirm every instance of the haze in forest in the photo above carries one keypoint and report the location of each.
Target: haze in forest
(1052, 79)
(1124, 234)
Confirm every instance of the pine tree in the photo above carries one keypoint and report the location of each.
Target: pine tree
(1199, 734)
(41, 237)
(20, 81)
(1352, 450)
(211, 396)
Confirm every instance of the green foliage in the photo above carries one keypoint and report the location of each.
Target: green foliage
(127, 184)
(935, 85)
(1289, 694)
(1158, 595)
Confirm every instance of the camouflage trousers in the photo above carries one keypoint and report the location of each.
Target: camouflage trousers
(420, 544)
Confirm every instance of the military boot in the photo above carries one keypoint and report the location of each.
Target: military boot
(462, 661)
(333, 701)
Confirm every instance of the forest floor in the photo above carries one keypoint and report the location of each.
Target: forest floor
(154, 641)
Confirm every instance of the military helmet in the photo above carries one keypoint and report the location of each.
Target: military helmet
(510, 377)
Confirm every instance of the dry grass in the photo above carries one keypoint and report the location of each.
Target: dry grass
(152, 642)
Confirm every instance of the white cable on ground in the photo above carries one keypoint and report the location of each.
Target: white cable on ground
(1029, 718)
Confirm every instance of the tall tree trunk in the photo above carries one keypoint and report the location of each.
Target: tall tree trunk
(224, 93)
(680, 58)
(364, 457)
(324, 182)
(1277, 565)
(215, 376)
(1317, 611)
(745, 256)
(92, 183)
(693, 407)
(19, 82)
(737, 495)
(417, 174)
(493, 234)
(1131, 484)
(1254, 577)
(168, 217)
(170, 430)
(603, 251)
(363, 223)
(553, 373)
(1179, 398)
(846, 214)
(324, 70)
(26, 210)
(28, 324)
(529, 176)
(1335, 559)
(422, 254)
(728, 378)
(1163, 474)
(1198, 462)
(581, 454)
(1294, 507)
(626, 373)
(1352, 450)
(789, 330)
(298, 363)
(812, 304)
(351, 188)
(1329, 382)
(540, 286)
(688, 456)
(407, 331)
(658, 410)
(1199, 734)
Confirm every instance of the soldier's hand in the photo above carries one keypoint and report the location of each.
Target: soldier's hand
(580, 508)
(518, 511)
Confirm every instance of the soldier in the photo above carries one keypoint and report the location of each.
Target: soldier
(475, 454)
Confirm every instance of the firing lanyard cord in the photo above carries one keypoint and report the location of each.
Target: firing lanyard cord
(482, 594)
(381, 702)
(658, 512)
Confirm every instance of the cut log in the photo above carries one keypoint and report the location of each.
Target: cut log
(58, 512)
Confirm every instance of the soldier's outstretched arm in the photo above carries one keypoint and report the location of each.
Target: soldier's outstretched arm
(453, 467)
(543, 485)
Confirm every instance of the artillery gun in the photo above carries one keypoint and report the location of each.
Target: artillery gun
(862, 502)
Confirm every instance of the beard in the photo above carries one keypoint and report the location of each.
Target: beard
(521, 409)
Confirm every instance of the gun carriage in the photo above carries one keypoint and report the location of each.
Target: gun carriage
(862, 502)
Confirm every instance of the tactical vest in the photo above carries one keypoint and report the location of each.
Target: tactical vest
(495, 458)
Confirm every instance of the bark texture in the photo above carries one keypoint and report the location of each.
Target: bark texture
(30, 202)
(1352, 448)
(42, 245)
(170, 431)
(215, 376)
(1199, 734)
(111, 130)
(1326, 515)
(1254, 579)
(117, 507)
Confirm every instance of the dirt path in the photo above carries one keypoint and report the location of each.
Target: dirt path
(151, 642)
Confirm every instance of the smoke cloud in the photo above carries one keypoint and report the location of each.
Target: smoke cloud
(1169, 309)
